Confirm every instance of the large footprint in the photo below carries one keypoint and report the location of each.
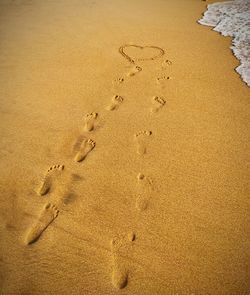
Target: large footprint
(115, 103)
(144, 189)
(47, 215)
(52, 173)
(89, 121)
(141, 138)
(158, 103)
(121, 248)
(87, 146)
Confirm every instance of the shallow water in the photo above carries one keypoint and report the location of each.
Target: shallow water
(232, 19)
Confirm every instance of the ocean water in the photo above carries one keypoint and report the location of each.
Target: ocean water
(232, 18)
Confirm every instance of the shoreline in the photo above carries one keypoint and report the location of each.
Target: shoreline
(230, 19)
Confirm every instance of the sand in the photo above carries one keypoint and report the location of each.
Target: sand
(121, 173)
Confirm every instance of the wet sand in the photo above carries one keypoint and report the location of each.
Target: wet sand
(124, 151)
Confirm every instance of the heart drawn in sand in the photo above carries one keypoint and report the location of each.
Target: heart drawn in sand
(151, 52)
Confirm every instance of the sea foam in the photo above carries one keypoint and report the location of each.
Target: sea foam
(232, 18)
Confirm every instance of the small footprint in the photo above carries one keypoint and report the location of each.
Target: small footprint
(118, 81)
(145, 186)
(115, 103)
(134, 71)
(141, 138)
(166, 63)
(87, 145)
(89, 121)
(120, 249)
(47, 215)
(158, 103)
(52, 172)
(162, 79)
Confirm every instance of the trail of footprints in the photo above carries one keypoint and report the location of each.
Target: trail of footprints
(51, 180)
(121, 247)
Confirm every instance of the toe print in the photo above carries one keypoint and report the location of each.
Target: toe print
(118, 81)
(162, 79)
(166, 63)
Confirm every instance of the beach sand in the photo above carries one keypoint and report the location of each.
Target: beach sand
(119, 176)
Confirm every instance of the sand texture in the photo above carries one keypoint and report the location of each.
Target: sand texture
(124, 151)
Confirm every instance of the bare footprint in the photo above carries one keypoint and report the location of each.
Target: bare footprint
(52, 172)
(145, 186)
(141, 138)
(47, 215)
(121, 248)
(166, 63)
(87, 145)
(118, 81)
(162, 79)
(134, 71)
(89, 121)
(158, 103)
(115, 103)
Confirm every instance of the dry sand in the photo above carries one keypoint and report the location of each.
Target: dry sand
(148, 189)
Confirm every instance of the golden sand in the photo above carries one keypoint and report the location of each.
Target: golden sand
(124, 151)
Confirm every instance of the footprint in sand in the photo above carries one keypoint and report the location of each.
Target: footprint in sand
(52, 173)
(166, 63)
(134, 71)
(89, 121)
(158, 103)
(162, 79)
(145, 187)
(115, 103)
(87, 146)
(121, 248)
(47, 215)
(141, 139)
(118, 81)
